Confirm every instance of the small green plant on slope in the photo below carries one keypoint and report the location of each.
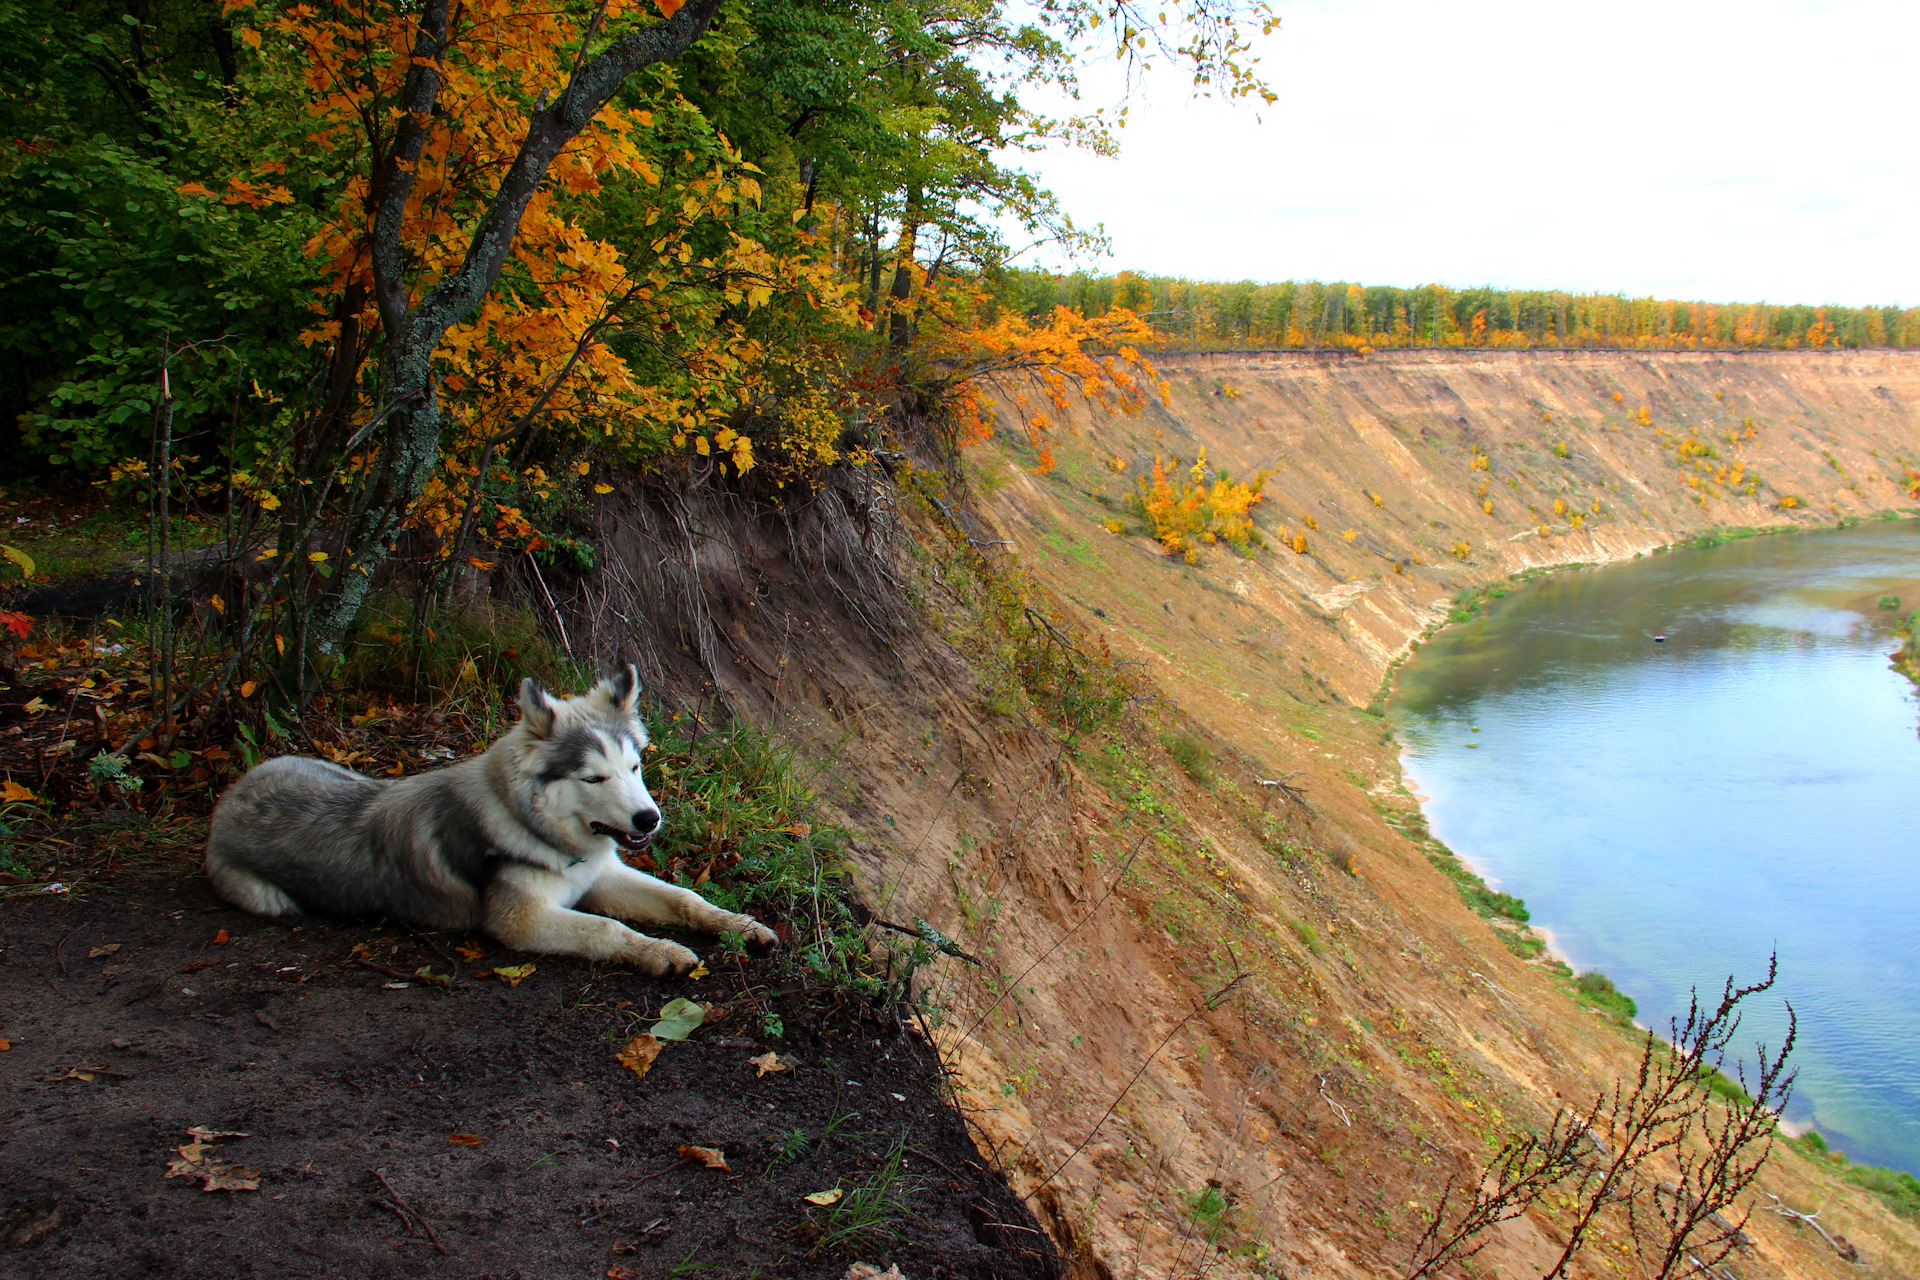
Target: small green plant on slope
(871, 1212)
(1193, 758)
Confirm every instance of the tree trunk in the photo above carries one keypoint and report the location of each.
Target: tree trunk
(405, 434)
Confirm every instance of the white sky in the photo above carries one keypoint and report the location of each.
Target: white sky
(1728, 150)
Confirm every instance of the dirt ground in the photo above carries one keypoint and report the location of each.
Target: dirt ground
(483, 1129)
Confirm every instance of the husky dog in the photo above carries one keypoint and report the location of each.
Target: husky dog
(510, 841)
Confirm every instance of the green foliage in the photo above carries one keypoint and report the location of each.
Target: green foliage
(469, 646)
(1215, 315)
(1597, 989)
(1207, 1209)
(869, 1214)
(1488, 902)
(1888, 603)
(1194, 759)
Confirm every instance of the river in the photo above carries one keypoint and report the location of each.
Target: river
(1672, 811)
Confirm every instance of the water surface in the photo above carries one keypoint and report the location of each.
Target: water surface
(1672, 812)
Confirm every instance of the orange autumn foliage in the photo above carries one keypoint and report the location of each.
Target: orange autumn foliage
(1207, 507)
(537, 350)
(1069, 354)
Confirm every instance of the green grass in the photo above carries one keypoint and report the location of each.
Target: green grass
(1597, 990)
(1899, 1191)
(1193, 758)
(870, 1213)
(740, 811)
(455, 649)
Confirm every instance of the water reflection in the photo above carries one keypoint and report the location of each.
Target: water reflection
(1672, 811)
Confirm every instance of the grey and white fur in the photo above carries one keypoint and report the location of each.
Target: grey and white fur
(511, 841)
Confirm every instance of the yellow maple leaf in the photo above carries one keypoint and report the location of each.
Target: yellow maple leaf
(16, 793)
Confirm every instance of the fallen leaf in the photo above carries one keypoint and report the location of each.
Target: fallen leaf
(514, 974)
(603, 488)
(15, 793)
(798, 829)
(678, 1020)
(711, 1157)
(825, 1197)
(769, 1062)
(468, 950)
(5, 1045)
(222, 938)
(638, 1054)
(465, 1139)
(426, 974)
(106, 950)
(247, 687)
(36, 707)
(622, 1273)
(699, 971)
(192, 1163)
(75, 1073)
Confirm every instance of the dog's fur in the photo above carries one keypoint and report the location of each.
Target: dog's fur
(510, 841)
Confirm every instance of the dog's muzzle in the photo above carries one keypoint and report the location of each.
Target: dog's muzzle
(645, 823)
(625, 839)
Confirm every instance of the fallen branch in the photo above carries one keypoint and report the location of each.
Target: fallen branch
(406, 1210)
(1841, 1245)
(1338, 1110)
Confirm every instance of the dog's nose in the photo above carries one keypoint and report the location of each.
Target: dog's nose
(646, 821)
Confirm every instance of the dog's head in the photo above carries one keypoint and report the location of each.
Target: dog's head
(586, 761)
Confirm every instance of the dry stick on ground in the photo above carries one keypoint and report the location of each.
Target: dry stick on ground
(407, 1210)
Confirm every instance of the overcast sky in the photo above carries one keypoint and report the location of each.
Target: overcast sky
(1729, 150)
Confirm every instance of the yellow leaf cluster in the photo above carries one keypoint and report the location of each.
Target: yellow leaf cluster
(1207, 506)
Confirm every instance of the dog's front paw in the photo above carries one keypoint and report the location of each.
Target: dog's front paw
(758, 936)
(660, 958)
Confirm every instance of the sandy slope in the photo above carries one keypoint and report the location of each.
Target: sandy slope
(1409, 1015)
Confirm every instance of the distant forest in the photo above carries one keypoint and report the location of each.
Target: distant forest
(1307, 315)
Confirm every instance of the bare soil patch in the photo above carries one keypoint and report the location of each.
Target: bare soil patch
(143, 1008)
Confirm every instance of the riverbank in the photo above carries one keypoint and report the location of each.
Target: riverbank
(1378, 469)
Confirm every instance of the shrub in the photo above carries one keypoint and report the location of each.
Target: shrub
(1193, 758)
(1598, 990)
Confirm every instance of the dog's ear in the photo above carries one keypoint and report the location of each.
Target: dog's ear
(621, 690)
(536, 708)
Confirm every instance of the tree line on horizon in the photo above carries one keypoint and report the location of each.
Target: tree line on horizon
(1311, 315)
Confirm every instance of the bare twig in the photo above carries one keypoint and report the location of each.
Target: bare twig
(426, 1227)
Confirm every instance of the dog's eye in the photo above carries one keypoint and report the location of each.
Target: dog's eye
(636, 768)
(592, 780)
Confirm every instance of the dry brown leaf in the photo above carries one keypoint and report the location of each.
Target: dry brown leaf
(192, 1163)
(107, 950)
(222, 938)
(465, 1139)
(469, 951)
(637, 1054)
(711, 1157)
(622, 1273)
(770, 1062)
